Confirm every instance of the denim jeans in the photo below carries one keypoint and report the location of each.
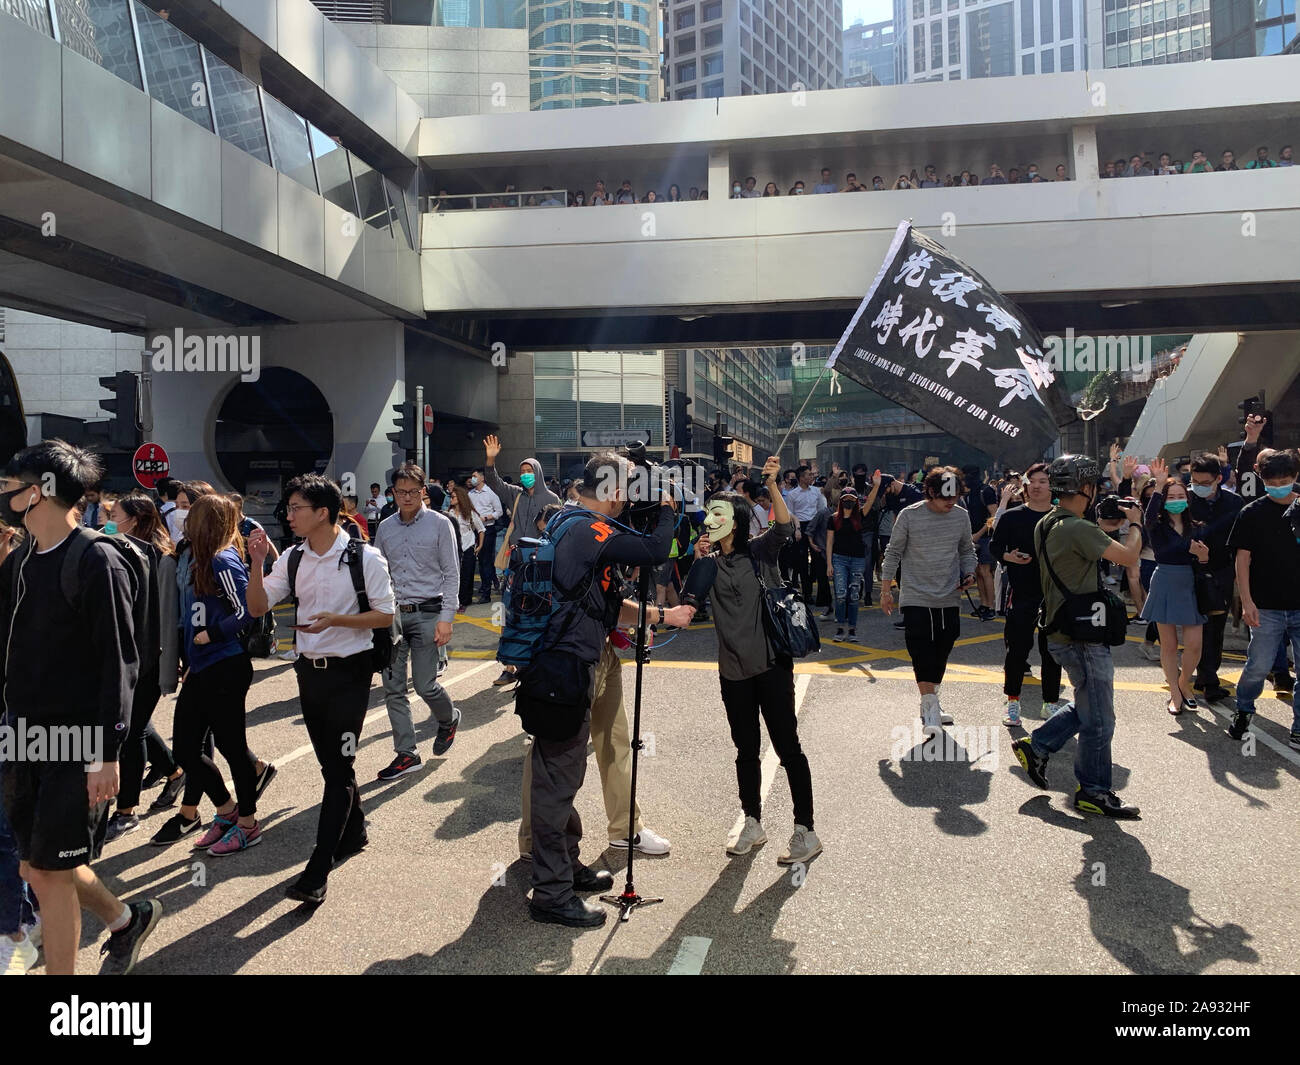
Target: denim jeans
(1092, 715)
(848, 587)
(15, 906)
(1276, 629)
(417, 644)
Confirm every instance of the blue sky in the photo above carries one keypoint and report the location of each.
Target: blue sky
(867, 10)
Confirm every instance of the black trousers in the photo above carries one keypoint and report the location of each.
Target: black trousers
(800, 568)
(1207, 670)
(486, 559)
(1022, 621)
(930, 634)
(771, 695)
(825, 591)
(141, 738)
(467, 560)
(215, 699)
(334, 709)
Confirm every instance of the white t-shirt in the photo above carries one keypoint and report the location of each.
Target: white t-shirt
(468, 530)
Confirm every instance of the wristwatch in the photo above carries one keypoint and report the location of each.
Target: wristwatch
(661, 613)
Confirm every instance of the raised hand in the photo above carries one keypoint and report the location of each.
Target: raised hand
(1254, 426)
(1160, 472)
(1130, 466)
(1115, 451)
(492, 447)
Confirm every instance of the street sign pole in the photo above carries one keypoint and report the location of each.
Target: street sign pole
(424, 437)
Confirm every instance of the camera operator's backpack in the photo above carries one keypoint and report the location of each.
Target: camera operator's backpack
(529, 592)
(144, 603)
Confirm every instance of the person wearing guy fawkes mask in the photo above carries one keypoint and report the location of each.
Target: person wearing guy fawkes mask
(1214, 507)
(1266, 538)
(1070, 538)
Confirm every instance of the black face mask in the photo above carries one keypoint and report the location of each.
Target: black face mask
(859, 481)
(1090, 511)
(7, 512)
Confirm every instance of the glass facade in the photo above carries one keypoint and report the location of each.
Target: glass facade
(583, 53)
(134, 43)
(869, 54)
(990, 41)
(575, 392)
(740, 385)
(1241, 28)
(1156, 32)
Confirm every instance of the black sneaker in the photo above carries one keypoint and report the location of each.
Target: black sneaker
(483, 599)
(1240, 724)
(575, 914)
(154, 777)
(446, 736)
(1031, 761)
(1282, 682)
(119, 825)
(506, 678)
(347, 848)
(123, 948)
(839, 634)
(264, 778)
(400, 766)
(852, 637)
(987, 613)
(303, 891)
(1216, 693)
(1104, 802)
(442, 667)
(900, 624)
(168, 796)
(174, 829)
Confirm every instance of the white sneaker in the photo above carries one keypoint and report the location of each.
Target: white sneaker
(647, 841)
(751, 836)
(931, 721)
(16, 958)
(1051, 708)
(1150, 652)
(1012, 717)
(35, 931)
(289, 655)
(804, 845)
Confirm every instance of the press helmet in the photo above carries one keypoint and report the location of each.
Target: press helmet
(1068, 474)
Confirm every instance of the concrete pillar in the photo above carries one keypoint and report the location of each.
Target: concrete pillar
(719, 173)
(1083, 153)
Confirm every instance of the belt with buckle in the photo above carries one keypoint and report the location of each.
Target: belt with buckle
(326, 661)
(426, 607)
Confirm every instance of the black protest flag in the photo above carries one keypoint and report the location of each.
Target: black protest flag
(933, 336)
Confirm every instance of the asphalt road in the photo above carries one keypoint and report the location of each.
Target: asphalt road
(954, 863)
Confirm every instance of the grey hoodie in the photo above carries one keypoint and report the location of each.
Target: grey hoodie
(530, 505)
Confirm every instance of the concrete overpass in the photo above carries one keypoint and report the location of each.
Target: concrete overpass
(1129, 256)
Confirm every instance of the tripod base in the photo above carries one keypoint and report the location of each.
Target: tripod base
(629, 901)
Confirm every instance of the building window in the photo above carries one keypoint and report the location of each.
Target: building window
(918, 47)
(711, 38)
(1067, 56)
(175, 69)
(1026, 23)
(1067, 19)
(711, 65)
(1048, 61)
(685, 72)
(990, 48)
(713, 89)
(685, 18)
(711, 11)
(1045, 21)
(954, 39)
(936, 45)
(238, 111)
(685, 45)
(289, 143)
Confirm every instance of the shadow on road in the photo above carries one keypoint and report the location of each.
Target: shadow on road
(1143, 919)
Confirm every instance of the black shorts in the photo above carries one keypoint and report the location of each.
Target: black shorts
(52, 819)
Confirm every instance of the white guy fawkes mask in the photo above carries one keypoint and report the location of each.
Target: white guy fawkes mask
(720, 520)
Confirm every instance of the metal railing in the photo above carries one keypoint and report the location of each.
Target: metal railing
(353, 10)
(482, 201)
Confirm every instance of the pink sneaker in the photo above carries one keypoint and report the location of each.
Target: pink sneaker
(221, 824)
(237, 839)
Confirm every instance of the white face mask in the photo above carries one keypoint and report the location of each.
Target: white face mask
(720, 521)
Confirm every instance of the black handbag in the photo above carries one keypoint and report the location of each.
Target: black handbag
(789, 624)
(1084, 617)
(1209, 600)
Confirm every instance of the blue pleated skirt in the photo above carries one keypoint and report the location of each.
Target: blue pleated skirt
(1171, 599)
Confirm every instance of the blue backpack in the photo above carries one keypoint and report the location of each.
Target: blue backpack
(529, 592)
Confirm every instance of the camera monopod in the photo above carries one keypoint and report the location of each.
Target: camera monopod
(629, 900)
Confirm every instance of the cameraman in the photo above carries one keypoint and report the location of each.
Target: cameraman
(576, 635)
(1074, 544)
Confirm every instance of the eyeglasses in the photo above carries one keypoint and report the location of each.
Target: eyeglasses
(293, 508)
(407, 491)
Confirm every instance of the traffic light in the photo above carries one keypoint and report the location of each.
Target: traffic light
(123, 430)
(681, 420)
(405, 421)
(722, 445)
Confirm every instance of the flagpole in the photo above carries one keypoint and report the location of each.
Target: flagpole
(802, 408)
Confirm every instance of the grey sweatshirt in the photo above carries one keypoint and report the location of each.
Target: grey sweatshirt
(936, 551)
(530, 505)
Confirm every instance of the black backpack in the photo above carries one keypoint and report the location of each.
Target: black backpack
(144, 592)
(382, 650)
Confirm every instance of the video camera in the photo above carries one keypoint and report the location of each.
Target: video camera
(1112, 507)
(649, 479)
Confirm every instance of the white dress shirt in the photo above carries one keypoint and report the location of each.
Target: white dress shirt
(324, 586)
(804, 503)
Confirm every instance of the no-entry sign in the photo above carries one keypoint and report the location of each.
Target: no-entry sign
(428, 419)
(150, 465)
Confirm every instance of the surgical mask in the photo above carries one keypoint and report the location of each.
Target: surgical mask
(473, 482)
(1203, 490)
(735, 188)
(528, 479)
(1176, 506)
(110, 528)
(1279, 491)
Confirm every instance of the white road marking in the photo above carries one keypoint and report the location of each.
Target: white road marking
(770, 760)
(690, 956)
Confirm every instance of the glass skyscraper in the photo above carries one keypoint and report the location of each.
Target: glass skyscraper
(583, 53)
